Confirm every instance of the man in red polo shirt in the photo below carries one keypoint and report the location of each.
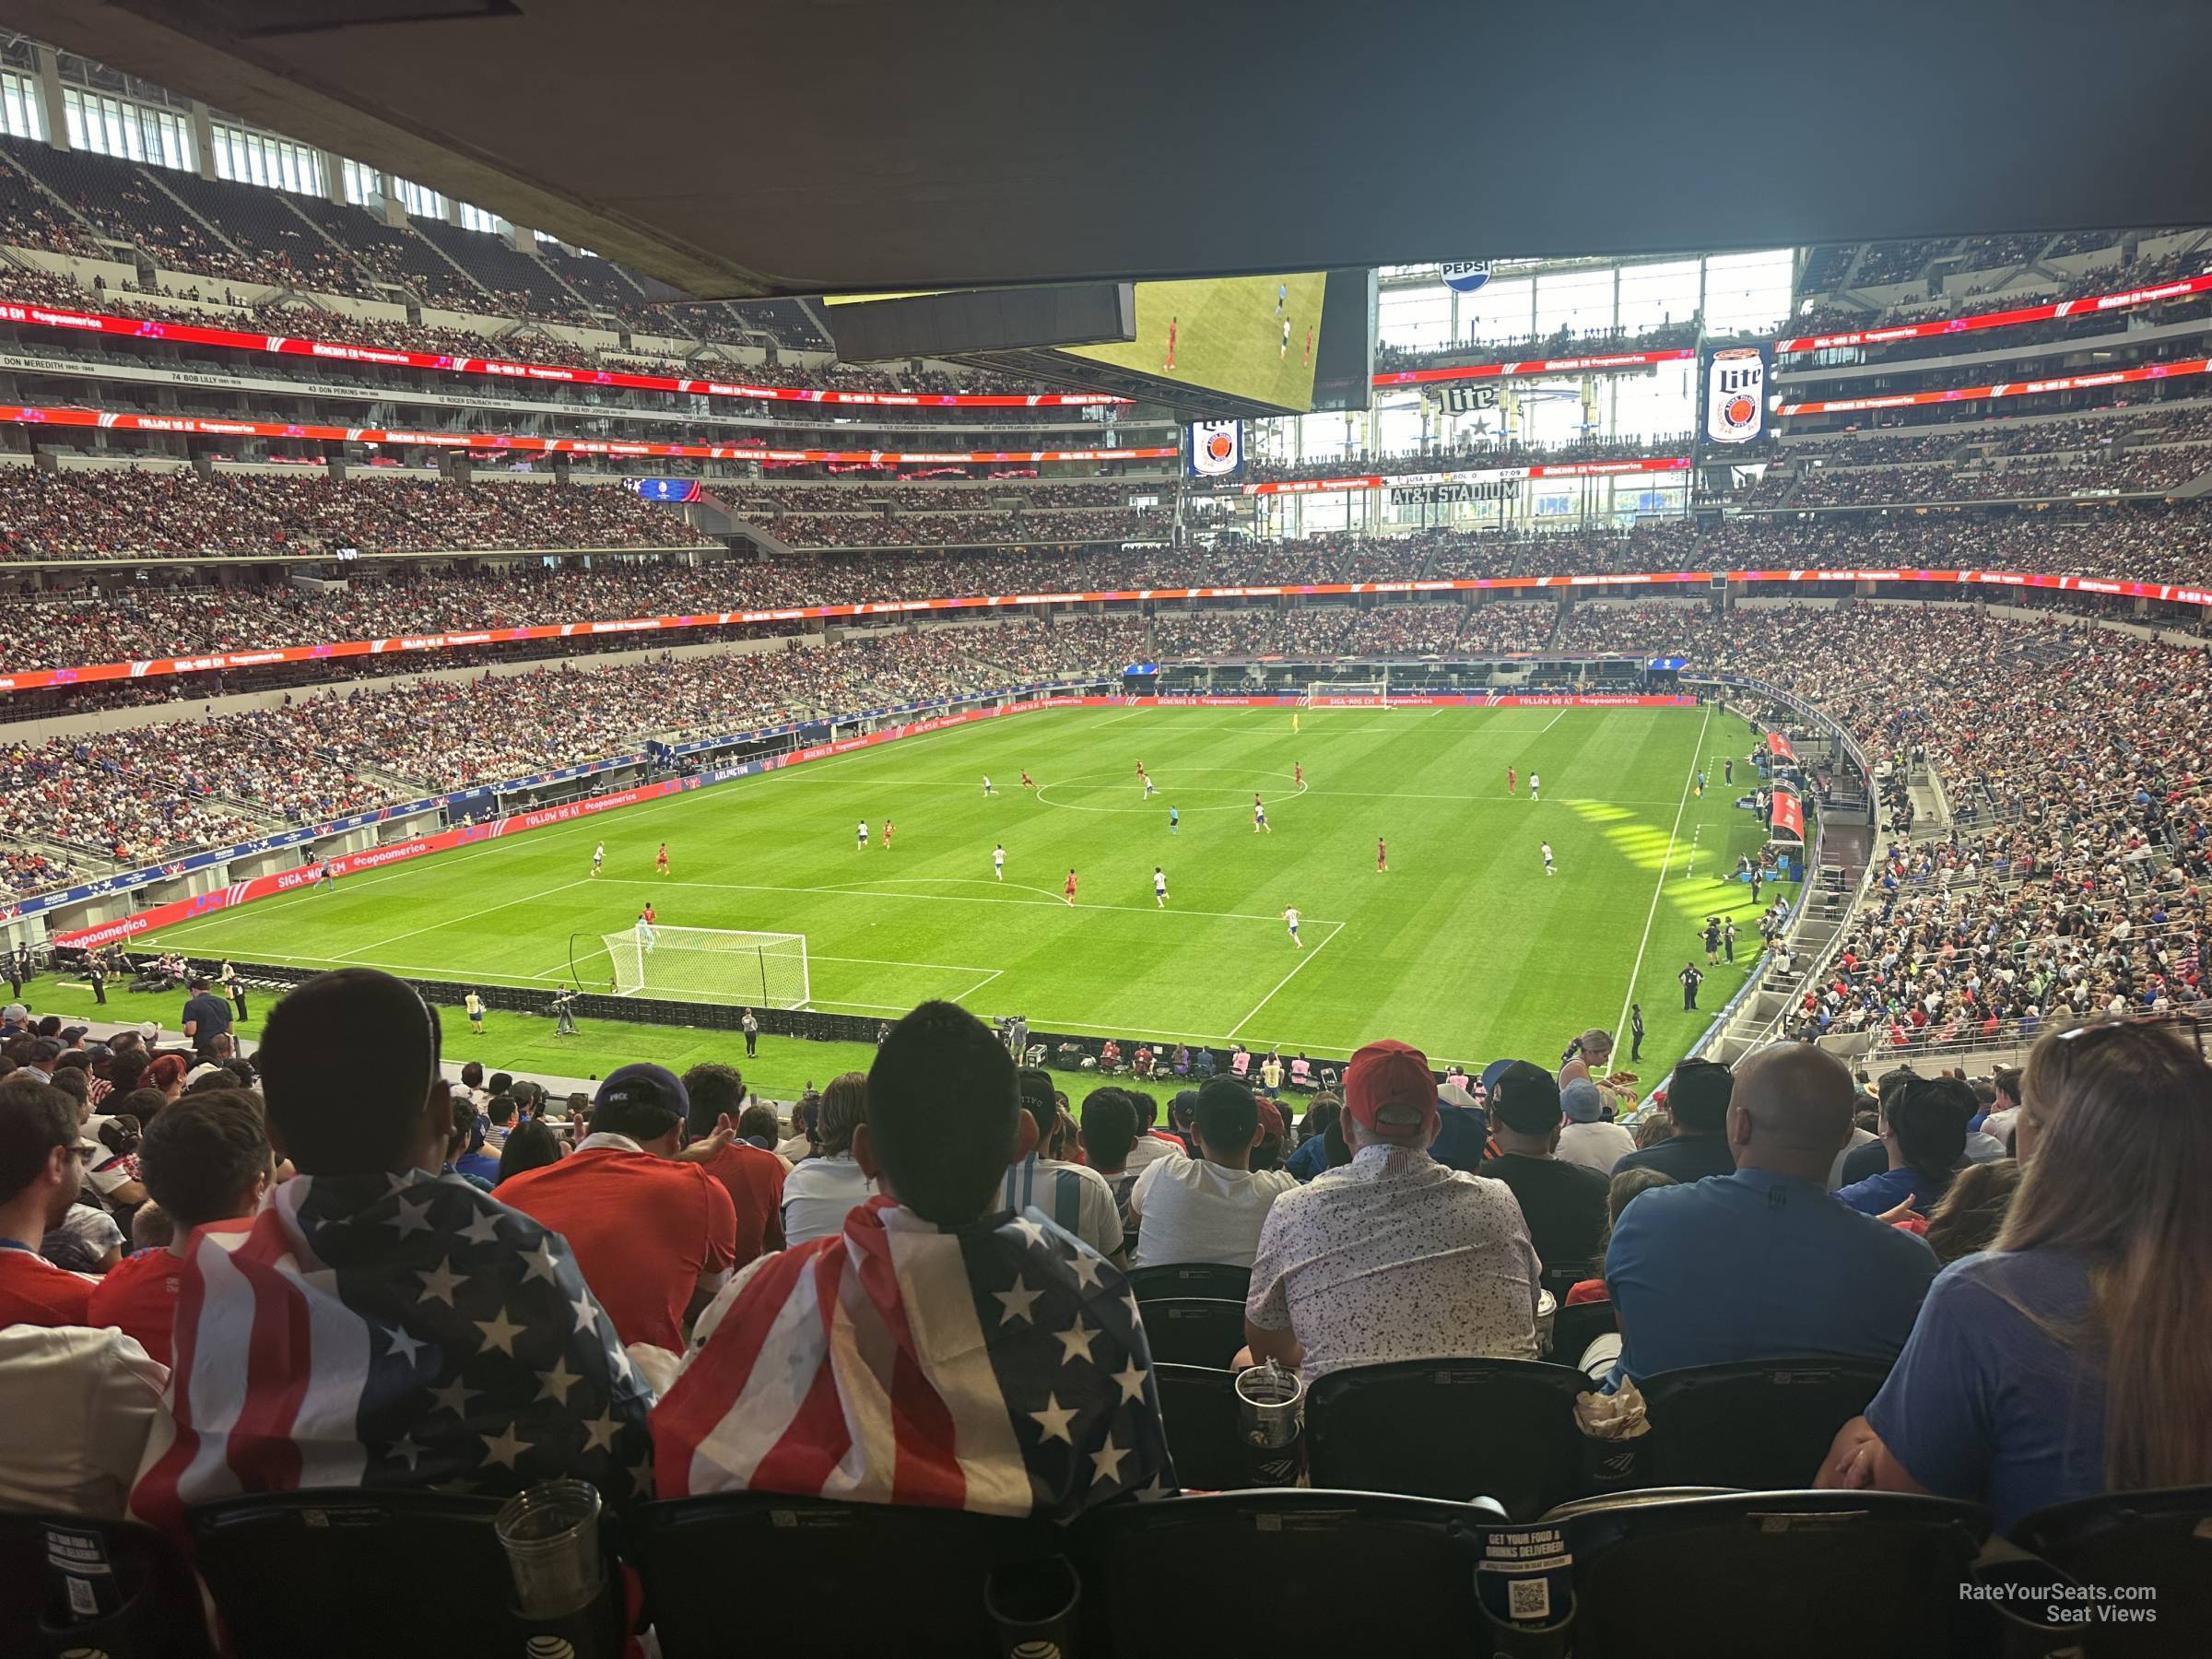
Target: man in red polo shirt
(654, 1238)
(754, 1179)
(205, 1160)
(40, 1173)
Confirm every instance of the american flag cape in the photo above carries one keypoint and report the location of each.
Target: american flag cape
(402, 1330)
(1000, 1367)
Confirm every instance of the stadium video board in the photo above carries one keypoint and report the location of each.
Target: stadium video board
(1734, 410)
(1255, 338)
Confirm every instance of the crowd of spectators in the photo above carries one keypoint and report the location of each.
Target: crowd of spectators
(1095, 525)
(135, 514)
(514, 334)
(2148, 469)
(2002, 1252)
(71, 627)
(1467, 455)
(1560, 342)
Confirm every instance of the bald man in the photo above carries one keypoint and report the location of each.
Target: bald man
(1764, 1263)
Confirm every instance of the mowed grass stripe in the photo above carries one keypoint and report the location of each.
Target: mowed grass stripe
(1463, 946)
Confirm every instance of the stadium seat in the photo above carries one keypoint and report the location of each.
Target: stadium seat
(317, 1572)
(1746, 1575)
(762, 1573)
(1757, 1425)
(1216, 1280)
(1450, 1428)
(1195, 1330)
(1289, 1573)
(1198, 1403)
(158, 1614)
(1574, 1328)
(2160, 1539)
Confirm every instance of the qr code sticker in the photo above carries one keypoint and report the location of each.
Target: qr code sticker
(82, 1602)
(1528, 1598)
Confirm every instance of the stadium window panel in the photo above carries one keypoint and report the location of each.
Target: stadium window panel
(359, 184)
(1321, 438)
(1551, 414)
(1498, 312)
(474, 218)
(1414, 319)
(1398, 428)
(1579, 302)
(1654, 406)
(1747, 293)
(22, 116)
(1652, 295)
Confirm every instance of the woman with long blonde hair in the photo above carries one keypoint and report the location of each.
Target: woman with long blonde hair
(2075, 1356)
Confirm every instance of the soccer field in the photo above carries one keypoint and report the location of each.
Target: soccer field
(1463, 946)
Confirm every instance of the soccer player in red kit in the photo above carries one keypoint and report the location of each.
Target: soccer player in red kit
(887, 835)
(1298, 775)
(1027, 782)
(1382, 854)
(1169, 364)
(1509, 779)
(659, 860)
(646, 915)
(1071, 889)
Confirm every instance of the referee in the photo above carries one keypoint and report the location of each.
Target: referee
(1691, 979)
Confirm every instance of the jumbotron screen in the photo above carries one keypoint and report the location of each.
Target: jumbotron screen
(1248, 336)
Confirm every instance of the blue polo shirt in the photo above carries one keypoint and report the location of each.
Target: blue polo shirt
(1988, 1401)
(1878, 1194)
(1755, 1266)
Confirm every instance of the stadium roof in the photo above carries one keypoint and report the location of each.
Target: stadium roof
(745, 149)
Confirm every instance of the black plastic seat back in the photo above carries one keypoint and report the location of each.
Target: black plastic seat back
(758, 1573)
(1219, 1280)
(1284, 1573)
(1450, 1428)
(1816, 1575)
(1195, 1330)
(356, 1572)
(1762, 1424)
(2162, 1540)
(1198, 1407)
(155, 1607)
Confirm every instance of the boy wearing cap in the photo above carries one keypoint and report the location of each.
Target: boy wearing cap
(1393, 1257)
(654, 1238)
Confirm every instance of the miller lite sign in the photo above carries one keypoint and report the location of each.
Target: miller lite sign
(1216, 448)
(1735, 394)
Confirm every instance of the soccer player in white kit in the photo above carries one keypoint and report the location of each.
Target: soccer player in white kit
(987, 789)
(598, 857)
(1290, 916)
(1160, 887)
(998, 862)
(864, 835)
(1548, 866)
(1535, 787)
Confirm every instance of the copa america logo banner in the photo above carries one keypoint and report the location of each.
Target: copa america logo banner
(1735, 394)
(1216, 448)
(1464, 276)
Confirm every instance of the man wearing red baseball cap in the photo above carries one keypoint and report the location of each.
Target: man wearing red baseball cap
(1393, 1257)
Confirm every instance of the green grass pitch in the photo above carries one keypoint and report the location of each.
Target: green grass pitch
(1463, 946)
(1228, 336)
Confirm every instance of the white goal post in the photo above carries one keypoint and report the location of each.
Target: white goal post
(710, 964)
(1376, 691)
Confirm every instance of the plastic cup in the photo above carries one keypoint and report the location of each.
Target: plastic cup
(550, 1533)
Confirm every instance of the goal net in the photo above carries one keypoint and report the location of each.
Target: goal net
(710, 964)
(1324, 692)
